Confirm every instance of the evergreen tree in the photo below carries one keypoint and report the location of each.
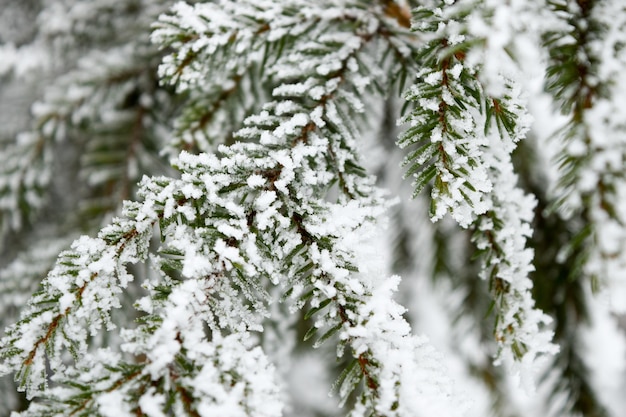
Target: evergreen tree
(199, 216)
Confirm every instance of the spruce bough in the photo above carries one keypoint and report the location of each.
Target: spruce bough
(269, 211)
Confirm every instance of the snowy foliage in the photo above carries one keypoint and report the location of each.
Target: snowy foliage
(271, 224)
(593, 143)
(452, 126)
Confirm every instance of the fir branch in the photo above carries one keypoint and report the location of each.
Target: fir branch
(449, 144)
(231, 215)
(207, 45)
(452, 127)
(561, 293)
(98, 383)
(78, 293)
(568, 374)
(586, 85)
(93, 93)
